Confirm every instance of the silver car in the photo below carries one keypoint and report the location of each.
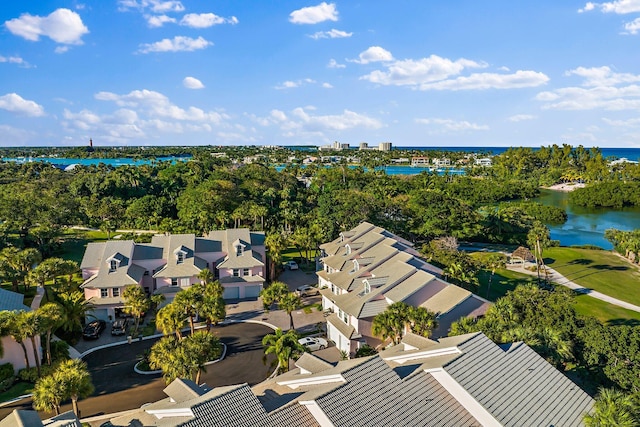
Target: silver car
(313, 343)
(306, 290)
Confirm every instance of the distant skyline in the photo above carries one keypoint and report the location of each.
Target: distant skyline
(411, 72)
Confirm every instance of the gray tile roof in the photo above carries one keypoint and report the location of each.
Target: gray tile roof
(182, 390)
(375, 395)
(97, 255)
(21, 418)
(517, 386)
(313, 364)
(12, 301)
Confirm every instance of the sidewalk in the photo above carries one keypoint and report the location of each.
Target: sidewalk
(559, 279)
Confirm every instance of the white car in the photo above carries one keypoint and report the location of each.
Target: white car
(291, 265)
(306, 290)
(313, 344)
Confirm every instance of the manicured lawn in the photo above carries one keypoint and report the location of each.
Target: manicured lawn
(605, 312)
(601, 271)
(18, 389)
(503, 281)
(293, 254)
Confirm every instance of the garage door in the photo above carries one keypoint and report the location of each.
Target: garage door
(231, 292)
(252, 291)
(99, 313)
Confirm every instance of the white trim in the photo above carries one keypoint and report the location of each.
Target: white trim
(169, 413)
(327, 379)
(402, 358)
(464, 398)
(317, 413)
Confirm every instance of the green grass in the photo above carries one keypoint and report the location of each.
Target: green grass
(18, 389)
(605, 312)
(601, 271)
(503, 281)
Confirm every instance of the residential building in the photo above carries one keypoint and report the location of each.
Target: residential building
(170, 263)
(13, 352)
(465, 380)
(368, 268)
(441, 163)
(420, 161)
(384, 146)
(483, 161)
(26, 418)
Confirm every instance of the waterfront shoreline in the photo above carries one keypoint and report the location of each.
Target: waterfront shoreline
(566, 188)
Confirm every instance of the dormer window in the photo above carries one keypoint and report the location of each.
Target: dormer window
(179, 258)
(347, 250)
(113, 265)
(239, 250)
(367, 287)
(356, 265)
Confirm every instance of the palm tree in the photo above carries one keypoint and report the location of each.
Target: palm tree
(17, 330)
(32, 328)
(275, 243)
(167, 355)
(213, 307)
(156, 300)
(200, 348)
(273, 293)
(50, 317)
(17, 263)
(290, 302)
(539, 239)
(284, 346)
(74, 309)
(422, 321)
(170, 319)
(613, 408)
(388, 325)
(136, 303)
(5, 327)
(190, 301)
(493, 262)
(47, 394)
(75, 379)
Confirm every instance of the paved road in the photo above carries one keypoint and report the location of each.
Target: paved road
(119, 388)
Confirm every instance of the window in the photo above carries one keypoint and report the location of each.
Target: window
(367, 287)
(236, 272)
(113, 265)
(115, 292)
(246, 272)
(146, 273)
(174, 282)
(238, 250)
(342, 315)
(104, 293)
(180, 257)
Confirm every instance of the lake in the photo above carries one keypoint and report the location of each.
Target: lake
(586, 226)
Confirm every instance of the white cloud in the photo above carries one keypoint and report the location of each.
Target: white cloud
(374, 54)
(156, 21)
(601, 89)
(417, 72)
(483, 81)
(192, 83)
(61, 49)
(521, 117)
(451, 126)
(17, 104)
(331, 34)
(314, 14)
(327, 85)
(632, 27)
(62, 26)
(177, 44)
(156, 6)
(618, 6)
(630, 123)
(15, 60)
(205, 20)
(334, 64)
(290, 84)
(156, 104)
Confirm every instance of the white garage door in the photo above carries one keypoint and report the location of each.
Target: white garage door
(252, 291)
(99, 313)
(231, 292)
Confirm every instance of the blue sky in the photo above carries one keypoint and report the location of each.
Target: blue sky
(233, 72)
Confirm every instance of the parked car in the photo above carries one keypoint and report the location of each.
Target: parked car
(119, 327)
(291, 265)
(313, 343)
(306, 290)
(94, 329)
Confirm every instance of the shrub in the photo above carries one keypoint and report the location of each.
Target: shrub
(59, 351)
(6, 371)
(365, 350)
(31, 375)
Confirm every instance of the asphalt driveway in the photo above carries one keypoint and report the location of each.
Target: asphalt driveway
(119, 388)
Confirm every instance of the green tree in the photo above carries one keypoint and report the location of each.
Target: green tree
(539, 239)
(32, 327)
(290, 302)
(284, 346)
(275, 243)
(390, 324)
(493, 262)
(165, 355)
(18, 329)
(273, 293)
(74, 310)
(614, 408)
(136, 303)
(170, 319)
(190, 301)
(50, 318)
(48, 394)
(422, 321)
(74, 378)
(200, 348)
(212, 307)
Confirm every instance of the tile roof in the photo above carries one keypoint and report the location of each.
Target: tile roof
(98, 255)
(12, 301)
(446, 299)
(517, 386)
